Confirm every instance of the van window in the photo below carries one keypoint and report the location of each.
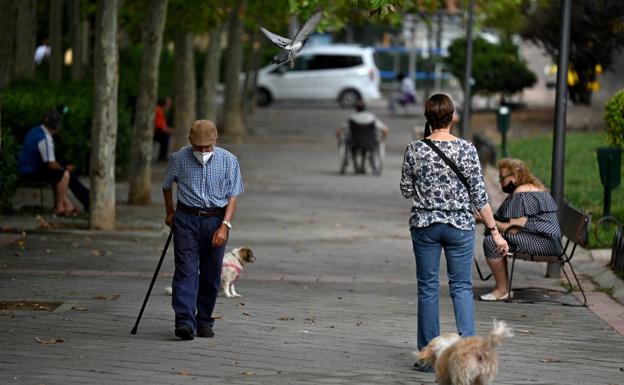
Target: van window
(325, 62)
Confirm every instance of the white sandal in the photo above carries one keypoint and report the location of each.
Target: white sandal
(492, 297)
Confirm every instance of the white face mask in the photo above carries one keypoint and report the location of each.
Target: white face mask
(202, 157)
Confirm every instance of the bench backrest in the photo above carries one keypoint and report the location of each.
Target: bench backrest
(363, 136)
(574, 224)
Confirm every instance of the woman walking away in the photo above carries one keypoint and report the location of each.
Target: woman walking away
(443, 176)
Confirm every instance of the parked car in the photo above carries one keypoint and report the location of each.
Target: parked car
(345, 73)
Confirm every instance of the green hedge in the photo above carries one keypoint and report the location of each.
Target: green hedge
(25, 103)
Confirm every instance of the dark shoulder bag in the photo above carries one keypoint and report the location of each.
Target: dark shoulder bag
(449, 162)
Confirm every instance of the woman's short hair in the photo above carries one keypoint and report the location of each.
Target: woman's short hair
(520, 171)
(439, 111)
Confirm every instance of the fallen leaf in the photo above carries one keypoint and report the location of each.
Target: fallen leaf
(96, 253)
(79, 308)
(50, 342)
(286, 318)
(115, 296)
(549, 360)
(100, 297)
(185, 373)
(526, 331)
(247, 314)
(248, 373)
(217, 317)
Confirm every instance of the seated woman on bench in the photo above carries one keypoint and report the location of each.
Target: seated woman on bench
(527, 219)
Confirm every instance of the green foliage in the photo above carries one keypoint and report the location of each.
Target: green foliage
(25, 103)
(614, 118)
(596, 37)
(496, 67)
(582, 187)
(8, 167)
(504, 16)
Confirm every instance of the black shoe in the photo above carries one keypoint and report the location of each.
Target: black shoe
(422, 367)
(184, 332)
(205, 331)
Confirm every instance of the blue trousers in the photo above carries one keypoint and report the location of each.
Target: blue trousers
(197, 274)
(458, 246)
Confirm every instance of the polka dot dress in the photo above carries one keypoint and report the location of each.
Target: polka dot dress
(540, 235)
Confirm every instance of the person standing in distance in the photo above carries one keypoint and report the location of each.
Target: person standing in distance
(208, 182)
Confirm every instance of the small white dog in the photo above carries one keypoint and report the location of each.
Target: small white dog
(465, 361)
(233, 263)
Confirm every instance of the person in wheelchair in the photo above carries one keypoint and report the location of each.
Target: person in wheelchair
(361, 136)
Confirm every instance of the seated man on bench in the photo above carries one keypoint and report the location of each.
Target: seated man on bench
(354, 132)
(37, 162)
(527, 219)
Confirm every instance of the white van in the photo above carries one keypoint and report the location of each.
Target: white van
(345, 73)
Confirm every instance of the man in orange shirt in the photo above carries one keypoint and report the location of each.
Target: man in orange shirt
(162, 131)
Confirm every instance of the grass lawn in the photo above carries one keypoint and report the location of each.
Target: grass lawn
(582, 179)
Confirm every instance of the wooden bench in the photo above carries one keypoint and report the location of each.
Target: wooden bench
(34, 185)
(575, 228)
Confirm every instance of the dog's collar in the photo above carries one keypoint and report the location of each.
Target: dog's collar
(238, 259)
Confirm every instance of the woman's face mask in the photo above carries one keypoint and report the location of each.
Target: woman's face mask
(509, 187)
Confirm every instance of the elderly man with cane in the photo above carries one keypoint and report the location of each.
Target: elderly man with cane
(208, 182)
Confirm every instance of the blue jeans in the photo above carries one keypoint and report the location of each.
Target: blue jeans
(197, 274)
(458, 247)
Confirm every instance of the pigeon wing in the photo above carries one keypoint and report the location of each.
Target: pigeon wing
(308, 27)
(276, 39)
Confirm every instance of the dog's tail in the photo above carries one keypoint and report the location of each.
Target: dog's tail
(499, 331)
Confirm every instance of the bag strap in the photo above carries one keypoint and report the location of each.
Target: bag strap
(449, 162)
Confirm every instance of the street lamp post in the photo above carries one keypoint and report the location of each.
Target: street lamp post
(465, 128)
(558, 156)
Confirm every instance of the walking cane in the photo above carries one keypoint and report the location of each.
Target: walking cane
(149, 291)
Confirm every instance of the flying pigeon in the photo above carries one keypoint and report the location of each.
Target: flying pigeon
(292, 47)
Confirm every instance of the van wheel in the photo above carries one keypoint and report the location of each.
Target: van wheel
(348, 98)
(264, 97)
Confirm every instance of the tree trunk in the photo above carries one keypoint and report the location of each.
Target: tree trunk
(25, 39)
(77, 40)
(56, 41)
(255, 67)
(233, 124)
(141, 162)
(249, 56)
(185, 92)
(212, 66)
(7, 41)
(104, 128)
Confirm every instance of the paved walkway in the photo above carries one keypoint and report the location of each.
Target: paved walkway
(330, 300)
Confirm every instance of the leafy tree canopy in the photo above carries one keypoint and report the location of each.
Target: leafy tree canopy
(497, 68)
(596, 36)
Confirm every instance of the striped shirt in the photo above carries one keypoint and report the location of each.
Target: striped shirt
(203, 186)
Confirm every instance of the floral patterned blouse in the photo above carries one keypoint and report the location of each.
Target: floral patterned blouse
(439, 195)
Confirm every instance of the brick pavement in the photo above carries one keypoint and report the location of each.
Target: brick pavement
(330, 300)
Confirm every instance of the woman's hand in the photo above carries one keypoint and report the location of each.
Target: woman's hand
(478, 217)
(502, 247)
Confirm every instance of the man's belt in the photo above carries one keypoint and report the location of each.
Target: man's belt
(204, 213)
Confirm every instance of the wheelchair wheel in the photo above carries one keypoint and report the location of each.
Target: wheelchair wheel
(376, 158)
(343, 157)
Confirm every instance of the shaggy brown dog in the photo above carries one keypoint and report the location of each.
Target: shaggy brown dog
(465, 361)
